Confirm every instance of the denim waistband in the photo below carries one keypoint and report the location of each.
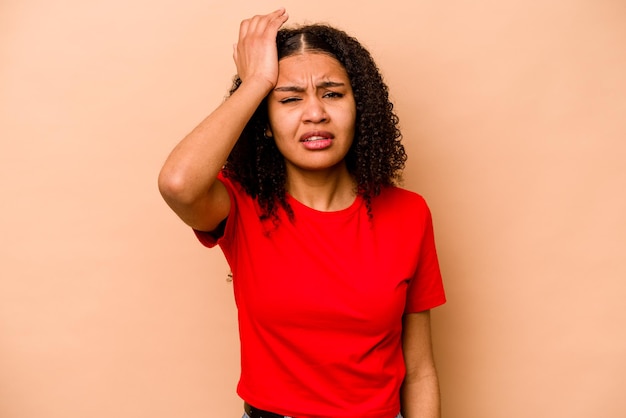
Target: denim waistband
(246, 415)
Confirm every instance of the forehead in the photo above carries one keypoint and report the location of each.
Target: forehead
(307, 66)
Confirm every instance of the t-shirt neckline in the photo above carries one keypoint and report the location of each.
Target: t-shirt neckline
(300, 208)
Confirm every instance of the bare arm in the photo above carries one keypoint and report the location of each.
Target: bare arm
(187, 180)
(420, 391)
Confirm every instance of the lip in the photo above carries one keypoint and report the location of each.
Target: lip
(316, 136)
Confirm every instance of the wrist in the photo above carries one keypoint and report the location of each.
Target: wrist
(257, 85)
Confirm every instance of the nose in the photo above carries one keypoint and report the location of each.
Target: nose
(314, 111)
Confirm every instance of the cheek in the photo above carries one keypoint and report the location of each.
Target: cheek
(350, 113)
(280, 121)
(350, 120)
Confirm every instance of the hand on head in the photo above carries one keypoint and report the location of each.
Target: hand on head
(255, 53)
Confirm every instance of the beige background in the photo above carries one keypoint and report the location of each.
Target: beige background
(514, 116)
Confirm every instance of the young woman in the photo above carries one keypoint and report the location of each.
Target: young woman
(334, 267)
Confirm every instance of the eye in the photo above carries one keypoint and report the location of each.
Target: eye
(333, 95)
(289, 100)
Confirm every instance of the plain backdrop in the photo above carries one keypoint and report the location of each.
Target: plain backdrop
(514, 118)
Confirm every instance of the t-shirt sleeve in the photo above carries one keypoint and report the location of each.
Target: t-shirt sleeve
(425, 289)
(212, 238)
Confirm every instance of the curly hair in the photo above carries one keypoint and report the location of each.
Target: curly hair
(375, 159)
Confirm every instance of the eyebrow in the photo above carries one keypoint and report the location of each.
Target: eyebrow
(299, 89)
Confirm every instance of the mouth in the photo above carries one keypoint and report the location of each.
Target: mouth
(316, 136)
(317, 140)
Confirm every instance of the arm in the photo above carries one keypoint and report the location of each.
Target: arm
(420, 391)
(187, 180)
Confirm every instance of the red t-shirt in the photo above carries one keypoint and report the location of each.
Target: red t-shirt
(320, 301)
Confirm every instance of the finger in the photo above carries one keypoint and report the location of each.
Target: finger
(260, 24)
(243, 28)
(280, 16)
(278, 12)
(254, 24)
(278, 21)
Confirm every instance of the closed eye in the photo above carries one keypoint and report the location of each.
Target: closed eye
(289, 99)
(333, 95)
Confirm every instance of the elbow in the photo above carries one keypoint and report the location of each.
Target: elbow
(174, 187)
(194, 201)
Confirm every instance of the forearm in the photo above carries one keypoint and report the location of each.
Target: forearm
(420, 391)
(194, 163)
(192, 167)
(421, 397)
(187, 180)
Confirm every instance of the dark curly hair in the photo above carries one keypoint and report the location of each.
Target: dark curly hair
(376, 157)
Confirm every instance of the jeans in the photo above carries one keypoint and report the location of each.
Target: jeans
(246, 415)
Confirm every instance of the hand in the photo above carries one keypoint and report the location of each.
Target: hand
(255, 53)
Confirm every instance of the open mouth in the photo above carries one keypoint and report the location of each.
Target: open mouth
(317, 140)
(316, 136)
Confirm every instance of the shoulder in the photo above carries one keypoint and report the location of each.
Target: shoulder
(242, 203)
(400, 207)
(236, 190)
(397, 198)
(230, 183)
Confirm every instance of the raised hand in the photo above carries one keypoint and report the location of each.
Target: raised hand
(255, 53)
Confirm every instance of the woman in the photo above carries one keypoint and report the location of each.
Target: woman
(334, 268)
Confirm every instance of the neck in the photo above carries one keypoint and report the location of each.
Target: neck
(327, 191)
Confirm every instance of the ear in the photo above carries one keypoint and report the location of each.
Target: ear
(268, 132)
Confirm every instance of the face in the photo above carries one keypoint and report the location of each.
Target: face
(312, 112)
